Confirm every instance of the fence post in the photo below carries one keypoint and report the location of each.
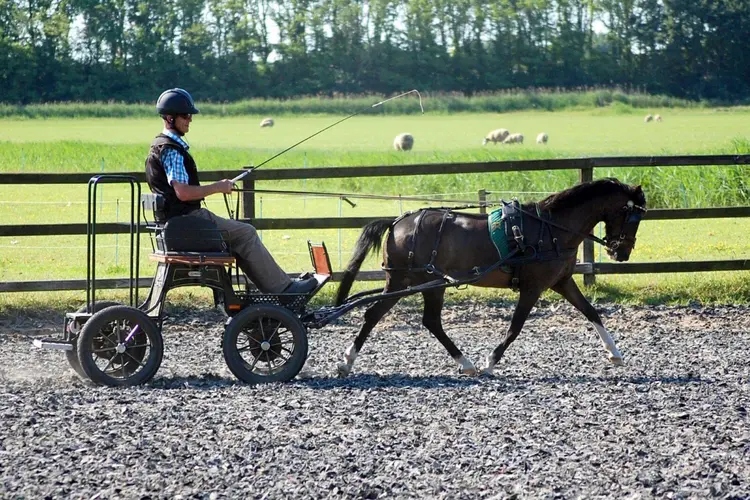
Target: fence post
(482, 201)
(248, 197)
(586, 174)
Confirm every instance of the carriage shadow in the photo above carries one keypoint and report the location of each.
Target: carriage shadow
(505, 383)
(322, 382)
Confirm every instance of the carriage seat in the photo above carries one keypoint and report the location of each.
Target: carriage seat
(184, 239)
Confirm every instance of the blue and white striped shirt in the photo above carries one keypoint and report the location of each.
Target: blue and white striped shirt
(174, 164)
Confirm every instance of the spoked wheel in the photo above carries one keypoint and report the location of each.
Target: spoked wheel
(120, 346)
(72, 356)
(265, 343)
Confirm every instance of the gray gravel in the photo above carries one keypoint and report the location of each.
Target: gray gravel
(557, 421)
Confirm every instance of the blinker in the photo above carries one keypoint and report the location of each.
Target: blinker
(633, 217)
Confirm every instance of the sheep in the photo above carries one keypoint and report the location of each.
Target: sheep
(513, 139)
(496, 136)
(657, 118)
(403, 142)
(542, 138)
(266, 122)
(648, 118)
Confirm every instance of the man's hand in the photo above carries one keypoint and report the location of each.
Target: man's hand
(223, 186)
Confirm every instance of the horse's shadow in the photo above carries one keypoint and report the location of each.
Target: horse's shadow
(505, 383)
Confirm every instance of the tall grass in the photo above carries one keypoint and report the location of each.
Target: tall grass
(500, 102)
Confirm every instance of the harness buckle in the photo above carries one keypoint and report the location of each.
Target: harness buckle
(518, 236)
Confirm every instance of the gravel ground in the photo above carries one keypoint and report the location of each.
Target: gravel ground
(557, 421)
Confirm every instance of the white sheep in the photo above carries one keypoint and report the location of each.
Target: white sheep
(496, 136)
(657, 118)
(266, 122)
(514, 139)
(648, 118)
(542, 138)
(403, 142)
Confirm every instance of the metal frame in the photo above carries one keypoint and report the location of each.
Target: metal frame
(134, 231)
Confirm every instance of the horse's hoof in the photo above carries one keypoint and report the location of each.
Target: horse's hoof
(487, 372)
(616, 360)
(343, 370)
(470, 371)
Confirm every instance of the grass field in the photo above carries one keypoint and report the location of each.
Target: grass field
(94, 145)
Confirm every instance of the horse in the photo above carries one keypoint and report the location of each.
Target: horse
(430, 243)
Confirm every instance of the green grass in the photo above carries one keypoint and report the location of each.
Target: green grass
(572, 133)
(93, 145)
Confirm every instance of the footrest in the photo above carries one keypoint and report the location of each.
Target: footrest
(54, 344)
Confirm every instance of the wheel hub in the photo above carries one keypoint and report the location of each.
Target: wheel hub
(264, 342)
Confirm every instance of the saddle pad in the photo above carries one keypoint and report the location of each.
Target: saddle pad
(496, 225)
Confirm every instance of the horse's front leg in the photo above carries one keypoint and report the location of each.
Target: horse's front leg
(572, 293)
(526, 301)
(433, 307)
(372, 316)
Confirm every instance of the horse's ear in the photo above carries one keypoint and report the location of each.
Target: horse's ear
(638, 189)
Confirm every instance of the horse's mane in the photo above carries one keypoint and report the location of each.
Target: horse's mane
(579, 193)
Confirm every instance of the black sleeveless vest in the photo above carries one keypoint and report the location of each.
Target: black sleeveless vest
(156, 177)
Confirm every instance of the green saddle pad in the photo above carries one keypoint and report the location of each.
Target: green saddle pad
(497, 235)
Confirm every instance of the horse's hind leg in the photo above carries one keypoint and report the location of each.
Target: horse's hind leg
(372, 316)
(526, 301)
(572, 293)
(433, 306)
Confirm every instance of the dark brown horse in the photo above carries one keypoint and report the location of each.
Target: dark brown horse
(432, 243)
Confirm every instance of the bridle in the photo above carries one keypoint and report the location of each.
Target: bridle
(632, 215)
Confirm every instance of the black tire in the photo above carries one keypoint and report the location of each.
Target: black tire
(273, 339)
(72, 356)
(102, 338)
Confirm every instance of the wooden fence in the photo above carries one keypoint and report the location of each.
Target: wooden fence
(585, 166)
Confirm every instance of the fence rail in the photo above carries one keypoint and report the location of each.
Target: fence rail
(585, 166)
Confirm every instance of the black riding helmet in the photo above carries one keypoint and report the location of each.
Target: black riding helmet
(176, 102)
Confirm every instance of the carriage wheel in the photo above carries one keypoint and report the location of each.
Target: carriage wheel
(72, 356)
(265, 343)
(120, 346)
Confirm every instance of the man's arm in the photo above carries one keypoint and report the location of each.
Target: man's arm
(186, 192)
(178, 178)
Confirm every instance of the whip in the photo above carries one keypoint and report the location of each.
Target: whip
(414, 91)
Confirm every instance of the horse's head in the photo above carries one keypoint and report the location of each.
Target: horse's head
(621, 223)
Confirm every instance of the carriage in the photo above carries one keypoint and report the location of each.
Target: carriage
(265, 335)
(116, 344)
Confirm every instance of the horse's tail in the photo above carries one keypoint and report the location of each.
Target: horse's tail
(370, 240)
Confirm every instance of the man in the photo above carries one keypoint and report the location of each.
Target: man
(172, 173)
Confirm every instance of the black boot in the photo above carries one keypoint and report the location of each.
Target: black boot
(301, 286)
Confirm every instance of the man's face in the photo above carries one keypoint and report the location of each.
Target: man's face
(182, 123)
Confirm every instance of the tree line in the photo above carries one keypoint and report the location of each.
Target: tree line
(226, 50)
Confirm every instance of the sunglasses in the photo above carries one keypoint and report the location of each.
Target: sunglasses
(187, 116)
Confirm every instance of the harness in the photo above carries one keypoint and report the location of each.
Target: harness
(509, 219)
